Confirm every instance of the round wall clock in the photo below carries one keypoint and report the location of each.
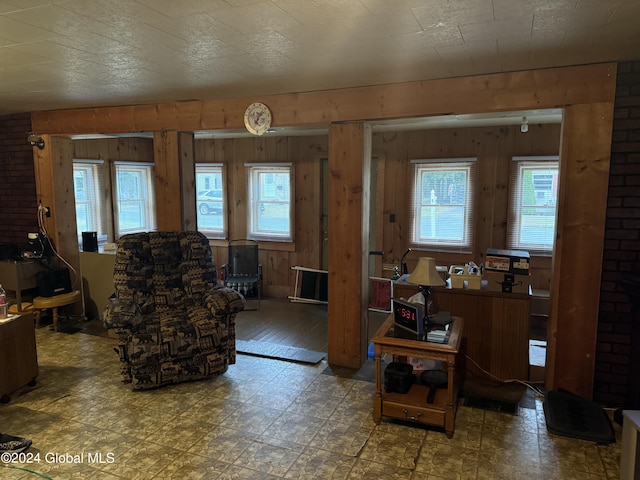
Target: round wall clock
(257, 118)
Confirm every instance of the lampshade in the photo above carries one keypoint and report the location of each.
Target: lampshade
(425, 273)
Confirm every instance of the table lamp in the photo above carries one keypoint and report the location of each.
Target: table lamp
(426, 275)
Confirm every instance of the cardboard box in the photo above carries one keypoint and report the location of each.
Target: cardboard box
(507, 282)
(508, 261)
(464, 279)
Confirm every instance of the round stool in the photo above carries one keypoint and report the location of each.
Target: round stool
(42, 303)
(24, 307)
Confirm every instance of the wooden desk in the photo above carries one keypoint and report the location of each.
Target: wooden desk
(18, 355)
(496, 327)
(19, 275)
(413, 405)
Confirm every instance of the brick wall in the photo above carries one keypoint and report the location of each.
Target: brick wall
(622, 244)
(18, 201)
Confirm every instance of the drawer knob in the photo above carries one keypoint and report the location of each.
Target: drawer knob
(411, 417)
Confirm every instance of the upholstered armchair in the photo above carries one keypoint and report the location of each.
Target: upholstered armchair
(173, 323)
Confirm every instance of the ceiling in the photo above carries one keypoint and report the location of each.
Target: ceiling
(82, 53)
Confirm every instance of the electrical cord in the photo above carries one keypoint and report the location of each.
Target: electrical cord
(529, 385)
(43, 231)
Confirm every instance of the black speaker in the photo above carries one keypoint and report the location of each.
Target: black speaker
(89, 241)
(53, 282)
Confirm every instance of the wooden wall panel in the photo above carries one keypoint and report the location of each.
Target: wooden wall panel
(494, 147)
(304, 154)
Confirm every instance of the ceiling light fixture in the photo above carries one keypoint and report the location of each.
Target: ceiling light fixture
(524, 126)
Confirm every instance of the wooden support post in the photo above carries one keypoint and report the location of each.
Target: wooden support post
(582, 204)
(186, 155)
(167, 185)
(349, 170)
(53, 166)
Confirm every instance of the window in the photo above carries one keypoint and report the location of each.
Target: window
(269, 203)
(532, 204)
(88, 183)
(442, 203)
(210, 200)
(134, 198)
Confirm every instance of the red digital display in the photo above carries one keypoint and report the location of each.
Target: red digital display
(408, 315)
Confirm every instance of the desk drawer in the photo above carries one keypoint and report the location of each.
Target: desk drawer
(413, 413)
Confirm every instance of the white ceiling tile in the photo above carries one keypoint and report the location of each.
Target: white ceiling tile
(72, 53)
(460, 12)
(511, 27)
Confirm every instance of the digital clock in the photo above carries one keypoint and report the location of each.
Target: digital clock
(409, 316)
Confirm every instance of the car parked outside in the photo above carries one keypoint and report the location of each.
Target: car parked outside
(210, 202)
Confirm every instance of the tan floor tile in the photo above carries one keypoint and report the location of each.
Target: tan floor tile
(270, 459)
(315, 404)
(191, 467)
(368, 469)
(394, 446)
(251, 419)
(222, 444)
(447, 461)
(347, 439)
(297, 428)
(318, 464)
(266, 419)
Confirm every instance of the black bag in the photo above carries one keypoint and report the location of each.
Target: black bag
(53, 282)
(398, 377)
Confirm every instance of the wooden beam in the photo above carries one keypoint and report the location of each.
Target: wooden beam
(167, 180)
(531, 89)
(53, 167)
(349, 161)
(582, 209)
(186, 153)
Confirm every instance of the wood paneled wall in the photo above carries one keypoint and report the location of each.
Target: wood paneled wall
(588, 89)
(305, 154)
(493, 147)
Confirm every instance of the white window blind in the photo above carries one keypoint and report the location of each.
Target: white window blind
(442, 203)
(533, 197)
(135, 198)
(270, 202)
(211, 209)
(89, 189)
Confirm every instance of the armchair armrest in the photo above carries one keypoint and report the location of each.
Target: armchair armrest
(225, 300)
(121, 315)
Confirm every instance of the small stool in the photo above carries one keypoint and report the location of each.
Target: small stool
(42, 303)
(24, 307)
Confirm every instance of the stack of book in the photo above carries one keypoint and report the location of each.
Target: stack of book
(437, 336)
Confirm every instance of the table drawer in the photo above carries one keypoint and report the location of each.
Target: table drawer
(412, 413)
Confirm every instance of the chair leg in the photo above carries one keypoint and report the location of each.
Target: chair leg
(38, 314)
(55, 319)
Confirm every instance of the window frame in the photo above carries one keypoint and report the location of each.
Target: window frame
(146, 204)
(213, 233)
(254, 201)
(518, 165)
(420, 166)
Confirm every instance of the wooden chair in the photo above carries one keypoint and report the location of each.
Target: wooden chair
(44, 303)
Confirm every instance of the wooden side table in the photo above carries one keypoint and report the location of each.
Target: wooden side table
(413, 406)
(18, 355)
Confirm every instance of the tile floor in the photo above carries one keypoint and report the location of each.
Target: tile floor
(264, 419)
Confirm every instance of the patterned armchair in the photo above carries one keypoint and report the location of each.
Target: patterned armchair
(172, 321)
